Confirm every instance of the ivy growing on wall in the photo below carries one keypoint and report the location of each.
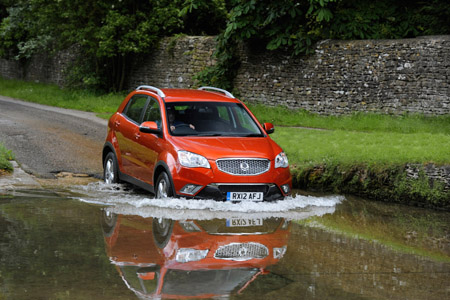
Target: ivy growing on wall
(295, 26)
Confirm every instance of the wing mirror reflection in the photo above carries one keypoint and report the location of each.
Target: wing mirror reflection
(268, 127)
(148, 273)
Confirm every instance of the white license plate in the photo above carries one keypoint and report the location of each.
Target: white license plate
(245, 196)
(239, 222)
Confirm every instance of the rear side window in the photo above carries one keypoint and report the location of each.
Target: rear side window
(135, 108)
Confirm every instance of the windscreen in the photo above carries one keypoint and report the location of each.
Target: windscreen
(211, 119)
(204, 282)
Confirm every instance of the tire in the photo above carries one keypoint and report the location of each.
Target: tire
(162, 230)
(163, 187)
(109, 221)
(110, 169)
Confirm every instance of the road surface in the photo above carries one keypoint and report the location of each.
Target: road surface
(48, 140)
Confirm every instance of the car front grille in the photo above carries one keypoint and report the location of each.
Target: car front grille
(242, 251)
(243, 166)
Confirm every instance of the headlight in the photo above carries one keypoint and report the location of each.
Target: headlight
(192, 160)
(281, 161)
(185, 255)
(189, 226)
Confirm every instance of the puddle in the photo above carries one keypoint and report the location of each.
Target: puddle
(101, 242)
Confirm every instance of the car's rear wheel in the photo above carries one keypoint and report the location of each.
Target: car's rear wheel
(163, 187)
(110, 169)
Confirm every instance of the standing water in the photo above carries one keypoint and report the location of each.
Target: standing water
(98, 242)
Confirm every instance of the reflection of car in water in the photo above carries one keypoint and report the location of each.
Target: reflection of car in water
(181, 259)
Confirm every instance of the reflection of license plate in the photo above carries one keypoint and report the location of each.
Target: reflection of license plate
(237, 222)
(245, 196)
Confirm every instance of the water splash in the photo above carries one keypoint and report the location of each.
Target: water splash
(120, 199)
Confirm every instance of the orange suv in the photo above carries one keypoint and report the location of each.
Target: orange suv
(202, 144)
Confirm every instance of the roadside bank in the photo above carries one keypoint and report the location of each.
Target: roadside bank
(422, 185)
(18, 179)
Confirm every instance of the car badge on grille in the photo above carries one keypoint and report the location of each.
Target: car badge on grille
(243, 251)
(244, 166)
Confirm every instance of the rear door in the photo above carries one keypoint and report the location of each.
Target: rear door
(128, 134)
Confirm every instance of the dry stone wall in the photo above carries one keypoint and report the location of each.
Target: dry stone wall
(174, 63)
(341, 77)
(10, 69)
(43, 67)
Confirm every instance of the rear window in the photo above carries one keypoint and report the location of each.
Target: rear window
(135, 107)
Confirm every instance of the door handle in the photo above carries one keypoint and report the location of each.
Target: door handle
(137, 136)
(117, 123)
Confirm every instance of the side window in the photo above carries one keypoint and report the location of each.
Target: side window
(153, 113)
(135, 107)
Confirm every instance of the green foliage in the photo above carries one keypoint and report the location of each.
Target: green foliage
(111, 32)
(295, 26)
(389, 19)
(5, 157)
(383, 182)
(203, 16)
(271, 24)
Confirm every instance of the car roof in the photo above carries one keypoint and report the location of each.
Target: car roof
(186, 95)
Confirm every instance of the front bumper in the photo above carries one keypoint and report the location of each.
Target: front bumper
(218, 191)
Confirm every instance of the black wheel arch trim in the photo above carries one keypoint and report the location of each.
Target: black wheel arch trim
(109, 147)
(162, 164)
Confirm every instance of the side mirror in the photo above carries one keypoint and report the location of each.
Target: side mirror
(148, 273)
(268, 127)
(149, 127)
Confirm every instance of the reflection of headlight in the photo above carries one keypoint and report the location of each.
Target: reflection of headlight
(192, 160)
(189, 226)
(185, 255)
(278, 253)
(281, 161)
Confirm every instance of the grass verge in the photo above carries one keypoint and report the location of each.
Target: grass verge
(5, 157)
(415, 231)
(49, 94)
(364, 122)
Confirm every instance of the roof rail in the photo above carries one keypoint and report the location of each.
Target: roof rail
(151, 88)
(227, 93)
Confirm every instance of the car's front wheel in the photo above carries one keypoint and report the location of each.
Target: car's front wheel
(162, 230)
(110, 169)
(163, 187)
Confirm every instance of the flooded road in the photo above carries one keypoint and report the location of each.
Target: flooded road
(94, 242)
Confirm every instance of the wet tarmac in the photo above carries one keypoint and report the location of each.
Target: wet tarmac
(101, 242)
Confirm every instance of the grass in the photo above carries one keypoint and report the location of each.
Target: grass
(416, 231)
(304, 146)
(358, 138)
(49, 94)
(365, 122)
(5, 157)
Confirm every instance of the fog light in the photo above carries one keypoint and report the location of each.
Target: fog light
(190, 189)
(286, 188)
(278, 253)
